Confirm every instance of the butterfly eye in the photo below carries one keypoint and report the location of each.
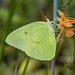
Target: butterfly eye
(25, 32)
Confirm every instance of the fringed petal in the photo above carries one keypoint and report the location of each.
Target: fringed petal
(70, 18)
(68, 24)
(69, 33)
(61, 14)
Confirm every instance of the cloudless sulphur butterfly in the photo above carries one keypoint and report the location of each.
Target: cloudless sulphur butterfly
(36, 39)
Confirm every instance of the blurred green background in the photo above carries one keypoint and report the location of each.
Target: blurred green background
(24, 12)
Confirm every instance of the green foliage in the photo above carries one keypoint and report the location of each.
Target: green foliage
(17, 19)
(7, 27)
(27, 63)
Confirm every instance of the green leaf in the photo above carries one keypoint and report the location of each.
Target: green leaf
(15, 73)
(36, 39)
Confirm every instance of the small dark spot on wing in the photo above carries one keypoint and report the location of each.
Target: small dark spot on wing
(25, 32)
(32, 41)
(37, 42)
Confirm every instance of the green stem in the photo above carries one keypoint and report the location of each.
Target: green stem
(54, 16)
(68, 3)
(15, 73)
(73, 73)
(64, 69)
(47, 69)
(67, 70)
(56, 6)
(24, 72)
(74, 51)
(19, 4)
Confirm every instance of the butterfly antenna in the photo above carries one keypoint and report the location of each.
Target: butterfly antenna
(42, 15)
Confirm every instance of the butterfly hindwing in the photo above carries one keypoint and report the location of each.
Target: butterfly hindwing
(36, 39)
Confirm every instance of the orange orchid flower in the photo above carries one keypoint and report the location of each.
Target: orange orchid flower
(67, 20)
(63, 26)
(68, 32)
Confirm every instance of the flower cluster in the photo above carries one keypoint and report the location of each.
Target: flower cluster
(64, 25)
